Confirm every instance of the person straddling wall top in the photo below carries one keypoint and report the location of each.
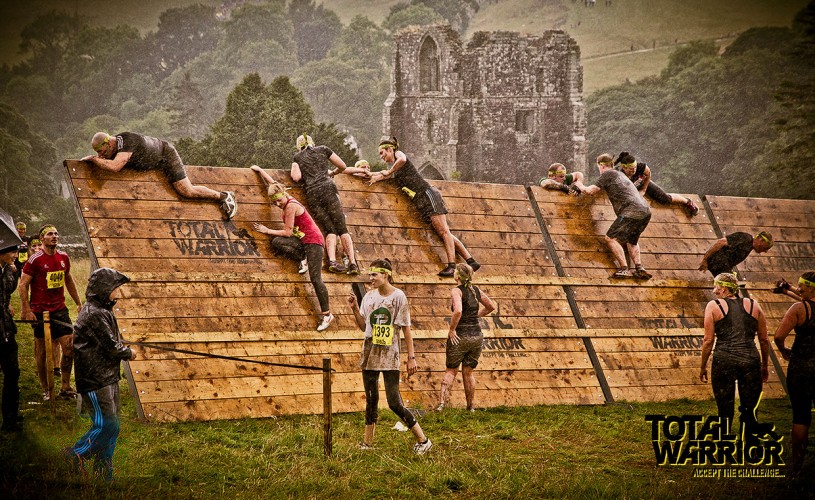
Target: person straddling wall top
(640, 175)
(142, 153)
(558, 179)
(732, 250)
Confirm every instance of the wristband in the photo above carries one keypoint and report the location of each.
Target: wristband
(411, 357)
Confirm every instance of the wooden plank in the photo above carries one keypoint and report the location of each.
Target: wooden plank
(758, 205)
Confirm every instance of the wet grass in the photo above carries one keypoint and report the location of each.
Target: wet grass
(526, 452)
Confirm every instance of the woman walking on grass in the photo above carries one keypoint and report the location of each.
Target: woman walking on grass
(383, 315)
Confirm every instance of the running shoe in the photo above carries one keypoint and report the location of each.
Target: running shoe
(691, 208)
(303, 267)
(57, 372)
(67, 394)
(326, 322)
(336, 267)
(474, 264)
(229, 205)
(365, 446)
(46, 396)
(422, 448)
(353, 269)
(439, 407)
(642, 274)
(448, 271)
(622, 273)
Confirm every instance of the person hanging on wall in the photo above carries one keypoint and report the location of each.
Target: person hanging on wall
(428, 201)
(142, 153)
(640, 175)
(99, 351)
(558, 180)
(384, 316)
(732, 250)
(312, 164)
(299, 239)
(633, 215)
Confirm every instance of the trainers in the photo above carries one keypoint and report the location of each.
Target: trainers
(622, 273)
(67, 394)
(57, 372)
(473, 264)
(642, 274)
(691, 207)
(440, 407)
(326, 322)
(422, 448)
(46, 396)
(448, 271)
(229, 205)
(336, 267)
(353, 269)
(303, 267)
(365, 446)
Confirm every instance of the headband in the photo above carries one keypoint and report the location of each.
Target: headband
(362, 163)
(47, 229)
(632, 164)
(556, 172)
(34, 241)
(387, 145)
(765, 238)
(725, 284)
(380, 270)
(804, 281)
(277, 196)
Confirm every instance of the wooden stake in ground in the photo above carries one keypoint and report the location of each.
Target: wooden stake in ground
(327, 437)
(49, 360)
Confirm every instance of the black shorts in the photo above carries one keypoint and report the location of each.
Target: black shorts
(171, 164)
(325, 207)
(57, 330)
(627, 230)
(430, 203)
(657, 194)
(801, 385)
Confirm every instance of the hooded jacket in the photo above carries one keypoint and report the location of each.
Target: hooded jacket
(8, 283)
(98, 348)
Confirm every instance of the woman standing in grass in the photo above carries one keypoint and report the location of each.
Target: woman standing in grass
(382, 315)
(801, 370)
(465, 338)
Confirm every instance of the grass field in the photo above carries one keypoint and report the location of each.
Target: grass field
(531, 452)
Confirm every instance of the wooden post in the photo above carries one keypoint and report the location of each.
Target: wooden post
(49, 356)
(327, 438)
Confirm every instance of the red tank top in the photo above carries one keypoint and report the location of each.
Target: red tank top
(306, 225)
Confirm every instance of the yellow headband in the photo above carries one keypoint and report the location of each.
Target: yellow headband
(277, 196)
(629, 165)
(386, 145)
(46, 229)
(804, 281)
(557, 172)
(725, 284)
(380, 270)
(765, 238)
(362, 163)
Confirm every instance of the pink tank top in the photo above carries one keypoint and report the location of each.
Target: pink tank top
(306, 225)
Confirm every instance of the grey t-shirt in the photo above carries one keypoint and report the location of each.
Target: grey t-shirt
(384, 317)
(624, 197)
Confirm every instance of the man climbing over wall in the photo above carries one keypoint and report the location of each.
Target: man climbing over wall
(558, 180)
(142, 153)
(633, 215)
(732, 250)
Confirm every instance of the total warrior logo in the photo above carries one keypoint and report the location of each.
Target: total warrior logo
(212, 240)
(710, 445)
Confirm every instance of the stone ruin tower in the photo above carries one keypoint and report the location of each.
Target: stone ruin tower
(500, 109)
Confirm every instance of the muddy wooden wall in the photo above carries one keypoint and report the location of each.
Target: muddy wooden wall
(564, 332)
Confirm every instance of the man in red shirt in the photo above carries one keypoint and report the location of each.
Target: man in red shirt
(47, 274)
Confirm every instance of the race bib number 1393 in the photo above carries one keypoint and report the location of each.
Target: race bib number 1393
(382, 334)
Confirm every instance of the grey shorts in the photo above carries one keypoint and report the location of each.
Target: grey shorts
(466, 353)
(325, 207)
(171, 164)
(627, 230)
(430, 203)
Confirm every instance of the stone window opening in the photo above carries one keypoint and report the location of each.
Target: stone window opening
(429, 66)
(525, 121)
(428, 124)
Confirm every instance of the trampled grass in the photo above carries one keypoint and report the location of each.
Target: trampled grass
(525, 452)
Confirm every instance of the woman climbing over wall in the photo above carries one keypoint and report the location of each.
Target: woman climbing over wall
(464, 339)
(300, 238)
(384, 314)
(428, 200)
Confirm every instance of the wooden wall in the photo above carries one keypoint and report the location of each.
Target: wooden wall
(564, 333)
